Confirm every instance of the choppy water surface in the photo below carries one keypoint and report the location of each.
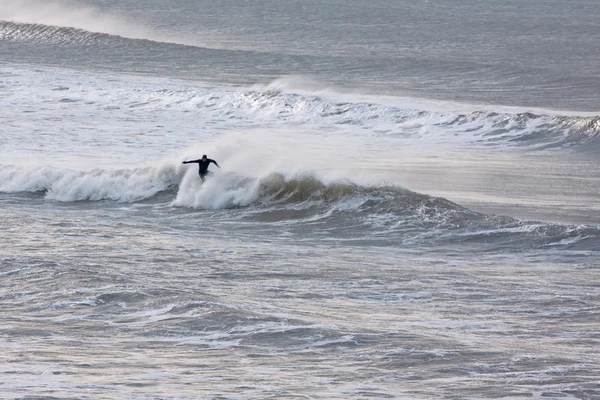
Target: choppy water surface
(134, 308)
(364, 237)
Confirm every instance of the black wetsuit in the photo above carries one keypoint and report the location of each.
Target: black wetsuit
(202, 166)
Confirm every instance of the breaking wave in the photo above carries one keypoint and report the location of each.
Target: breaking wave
(387, 214)
(68, 185)
(300, 203)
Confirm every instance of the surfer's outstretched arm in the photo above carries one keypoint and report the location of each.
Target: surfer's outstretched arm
(214, 162)
(192, 161)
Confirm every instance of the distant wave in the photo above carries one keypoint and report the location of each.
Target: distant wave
(69, 19)
(41, 33)
(50, 34)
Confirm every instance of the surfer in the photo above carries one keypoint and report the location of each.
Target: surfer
(203, 164)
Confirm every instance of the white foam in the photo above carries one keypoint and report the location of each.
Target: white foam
(132, 120)
(216, 193)
(125, 185)
(309, 87)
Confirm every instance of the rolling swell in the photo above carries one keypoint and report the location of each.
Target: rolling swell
(131, 54)
(149, 54)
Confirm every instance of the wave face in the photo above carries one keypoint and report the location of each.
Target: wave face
(384, 214)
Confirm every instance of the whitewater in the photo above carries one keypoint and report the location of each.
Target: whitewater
(406, 204)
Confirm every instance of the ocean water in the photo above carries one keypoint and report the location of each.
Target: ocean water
(407, 204)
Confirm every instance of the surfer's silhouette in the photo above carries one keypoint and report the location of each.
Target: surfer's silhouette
(203, 164)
